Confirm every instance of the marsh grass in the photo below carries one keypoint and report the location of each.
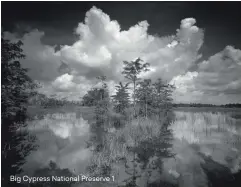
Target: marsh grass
(189, 125)
(145, 134)
(195, 128)
(120, 144)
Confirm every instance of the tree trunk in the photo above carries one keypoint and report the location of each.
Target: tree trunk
(146, 109)
(134, 97)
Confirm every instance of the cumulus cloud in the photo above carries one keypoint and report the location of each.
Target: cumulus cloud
(221, 73)
(102, 47)
(215, 80)
(64, 82)
(67, 86)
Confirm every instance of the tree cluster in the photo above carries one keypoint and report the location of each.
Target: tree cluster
(148, 99)
(92, 97)
(17, 88)
(121, 99)
(154, 98)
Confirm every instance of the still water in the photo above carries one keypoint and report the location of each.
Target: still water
(198, 138)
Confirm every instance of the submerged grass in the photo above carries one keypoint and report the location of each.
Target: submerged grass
(196, 128)
(190, 125)
(119, 143)
(118, 140)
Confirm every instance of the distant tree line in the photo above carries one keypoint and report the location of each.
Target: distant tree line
(42, 100)
(230, 105)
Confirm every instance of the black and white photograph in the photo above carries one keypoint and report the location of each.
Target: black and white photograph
(121, 93)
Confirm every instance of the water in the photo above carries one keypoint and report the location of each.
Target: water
(61, 138)
(204, 134)
(197, 137)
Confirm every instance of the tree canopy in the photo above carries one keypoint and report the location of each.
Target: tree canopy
(16, 88)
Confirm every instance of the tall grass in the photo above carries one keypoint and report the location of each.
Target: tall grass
(202, 129)
(191, 126)
(204, 133)
(119, 142)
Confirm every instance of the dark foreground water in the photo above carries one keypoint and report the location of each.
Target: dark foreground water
(207, 148)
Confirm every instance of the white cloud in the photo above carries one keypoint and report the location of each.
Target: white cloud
(221, 72)
(102, 47)
(63, 82)
(184, 83)
(217, 80)
(67, 86)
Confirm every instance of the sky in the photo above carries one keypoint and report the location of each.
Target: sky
(194, 45)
